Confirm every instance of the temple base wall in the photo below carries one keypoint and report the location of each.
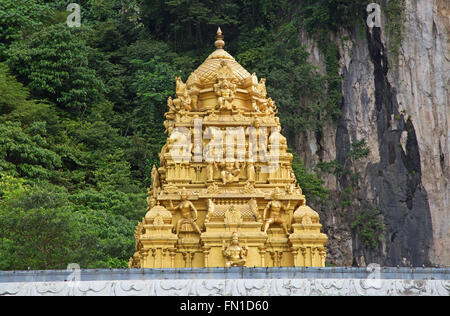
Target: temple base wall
(229, 282)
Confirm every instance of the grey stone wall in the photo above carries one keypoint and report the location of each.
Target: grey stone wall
(229, 282)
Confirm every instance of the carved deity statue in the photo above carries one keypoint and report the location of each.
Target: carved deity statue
(188, 211)
(181, 86)
(171, 106)
(290, 188)
(268, 107)
(292, 175)
(225, 90)
(273, 213)
(229, 171)
(259, 94)
(194, 91)
(171, 115)
(210, 172)
(261, 88)
(271, 107)
(276, 138)
(155, 180)
(182, 141)
(254, 139)
(151, 201)
(251, 173)
(186, 102)
(235, 255)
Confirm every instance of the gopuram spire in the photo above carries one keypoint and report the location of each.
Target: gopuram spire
(225, 193)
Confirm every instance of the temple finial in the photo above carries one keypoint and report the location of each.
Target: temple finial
(219, 39)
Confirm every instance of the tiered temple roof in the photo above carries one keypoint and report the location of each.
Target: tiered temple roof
(225, 193)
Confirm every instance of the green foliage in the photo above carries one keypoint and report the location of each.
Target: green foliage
(42, 229)
(12, 92)
(292, 81)
(332, 14)
(369, 226)
(24, 155)
(55, 64)
(324, 16)
(153, 84)
(395, 11)
(311, 185)
(334, 79)
(10, 187)
(346, 196)
(36, 228)
(188, 22)
(16, 105)
(332, 167)
(358, 151)
(367, 223)
(321, 19)
(20, 17)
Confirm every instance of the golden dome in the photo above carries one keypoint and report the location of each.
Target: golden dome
(207, 72)
(305, 215)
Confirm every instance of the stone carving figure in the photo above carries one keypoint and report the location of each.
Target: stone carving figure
(181, 87)
(210, 172)
(253, 135)
(151, 201)
(233, 215)
(171, 115)
(290, 188)
(261, 88)
(273, 213)
(229, 171)
(225, 90)
(292, 175)
(181, 141)
(155, 180)
(235, 255)
(188, 211)
(162, 158)
(194, 91)
(271, 109)
(186, 102)
(298, 190)
(251, 173)
(167, 125)
(172, 108)
(276, 138)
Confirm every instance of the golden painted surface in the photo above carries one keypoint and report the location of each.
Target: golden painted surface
(225, 213)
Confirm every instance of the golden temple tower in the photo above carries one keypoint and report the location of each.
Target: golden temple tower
(225, 193)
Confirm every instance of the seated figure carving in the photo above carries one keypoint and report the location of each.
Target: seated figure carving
(235, 255)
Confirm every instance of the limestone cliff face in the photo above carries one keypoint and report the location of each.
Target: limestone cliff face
(403, 113)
